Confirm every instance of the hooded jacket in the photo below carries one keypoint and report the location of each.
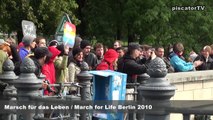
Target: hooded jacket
(107, 63)
(48, 69)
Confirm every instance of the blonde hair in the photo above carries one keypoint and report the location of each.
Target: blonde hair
(207, 48)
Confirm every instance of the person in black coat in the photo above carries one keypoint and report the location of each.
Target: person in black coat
(129, 64)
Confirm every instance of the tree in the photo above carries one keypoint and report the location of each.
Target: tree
(46, 14)
(103, 20)
(150, 21)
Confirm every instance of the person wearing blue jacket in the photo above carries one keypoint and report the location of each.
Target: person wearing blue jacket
(179, 64)
(29, 44)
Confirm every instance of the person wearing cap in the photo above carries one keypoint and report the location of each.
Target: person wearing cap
(207, 61)
(89, 57)
(29, 43)
(129, 64)
(178, 63)
(109, 62)
(53, 43)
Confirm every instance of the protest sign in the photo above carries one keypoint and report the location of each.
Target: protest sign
(69, 34)
(60, 28)
(28, 28)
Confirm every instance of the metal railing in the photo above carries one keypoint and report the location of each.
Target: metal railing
(146, 88)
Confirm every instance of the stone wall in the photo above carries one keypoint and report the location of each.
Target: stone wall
(192, 85)
(196, 85)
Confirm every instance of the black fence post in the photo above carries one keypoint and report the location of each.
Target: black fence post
(84, 78)
(27, 86)
(8, 76)
(73, 114)
(39, 113)
(157, 91)
(141, 80)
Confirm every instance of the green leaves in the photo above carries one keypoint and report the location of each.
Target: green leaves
(44, 13)
(153, 22)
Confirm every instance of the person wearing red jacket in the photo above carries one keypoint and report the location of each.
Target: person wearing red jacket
(109, 61)
(48, 69)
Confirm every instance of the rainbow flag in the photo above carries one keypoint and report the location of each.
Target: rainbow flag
(69, 34)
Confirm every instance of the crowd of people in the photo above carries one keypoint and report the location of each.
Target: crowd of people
(61, 64)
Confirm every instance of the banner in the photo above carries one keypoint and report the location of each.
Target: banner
(69, 34)
(28, 28)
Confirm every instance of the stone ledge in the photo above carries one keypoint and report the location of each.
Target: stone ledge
(189, 76)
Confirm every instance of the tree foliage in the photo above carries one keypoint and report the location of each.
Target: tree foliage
(147, 21)
(150, 21)
(46, 14)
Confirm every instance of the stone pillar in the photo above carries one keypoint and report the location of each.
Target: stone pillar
(141, 80)
(84, 78)
(27, 86)
(8, 76)
(157, 89)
